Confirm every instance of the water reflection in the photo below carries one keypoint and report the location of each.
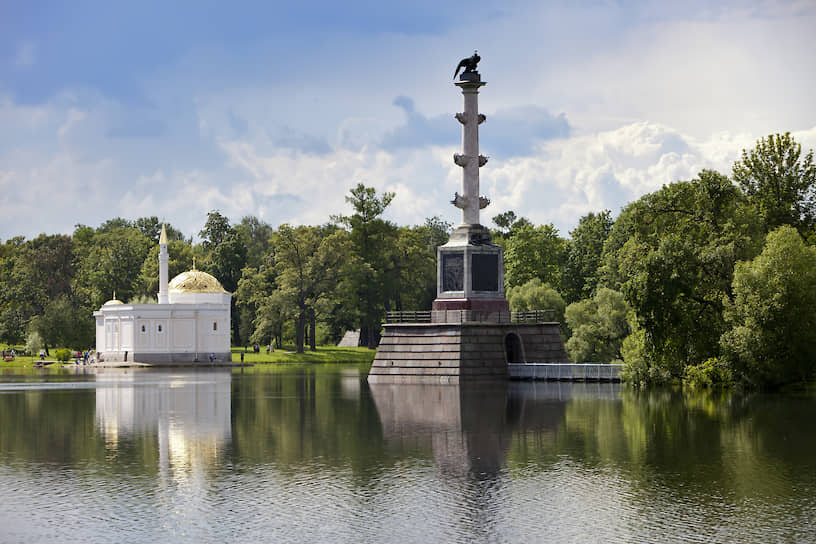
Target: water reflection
(463, 425)
(189, 413)
(315, 454)
(470, 427)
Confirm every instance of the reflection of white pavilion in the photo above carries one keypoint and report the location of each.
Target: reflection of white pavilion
(190, 412)
(190, 322)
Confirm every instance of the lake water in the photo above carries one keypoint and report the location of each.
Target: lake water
(313, 454)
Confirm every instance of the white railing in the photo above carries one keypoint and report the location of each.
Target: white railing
(565, 371)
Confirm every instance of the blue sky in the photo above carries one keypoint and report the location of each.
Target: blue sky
(277, 109)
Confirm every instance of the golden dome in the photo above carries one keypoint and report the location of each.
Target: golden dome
(113, 301)
(195, 281)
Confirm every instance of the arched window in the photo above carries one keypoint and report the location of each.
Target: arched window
(160, 329)
(143, 328)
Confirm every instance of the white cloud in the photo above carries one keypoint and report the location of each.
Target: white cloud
(652, 94)
(606, 170)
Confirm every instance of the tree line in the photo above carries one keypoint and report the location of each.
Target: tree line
(708, 280)
(297, 283)
(711, 281)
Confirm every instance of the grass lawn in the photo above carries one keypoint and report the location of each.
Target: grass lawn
(324, 354)
(20, 360)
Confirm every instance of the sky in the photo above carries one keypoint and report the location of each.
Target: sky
(277, 109)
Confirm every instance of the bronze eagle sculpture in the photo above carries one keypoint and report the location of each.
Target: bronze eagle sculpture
(469, 64)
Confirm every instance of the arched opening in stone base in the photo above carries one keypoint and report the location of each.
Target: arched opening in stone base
(513, 349)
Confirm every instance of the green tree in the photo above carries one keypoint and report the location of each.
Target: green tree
(12, 316)
(227, 259)
(256, 312)
(508, 224)
(34, 343)
(534, 252)
(256, 236)
(65, 323)
(585, 248)
(111, 262)
(274, 310)
(677, 264)
(34, 273)
(215, 230)
(310, 262)
(416, 267)
(780, 182)
(151, 228)
(225, 255)
(376, 280)
(504, 221)
(599, 326)
(535, 295)
(436, 232)
(772, 319)
(116, 223)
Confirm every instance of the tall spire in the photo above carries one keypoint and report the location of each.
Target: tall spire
(163, 265)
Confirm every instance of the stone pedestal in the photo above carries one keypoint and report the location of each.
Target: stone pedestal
(470, 274)
(458, 352)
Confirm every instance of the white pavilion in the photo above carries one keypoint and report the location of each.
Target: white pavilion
(190, 323)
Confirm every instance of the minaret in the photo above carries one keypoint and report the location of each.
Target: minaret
(163, 258)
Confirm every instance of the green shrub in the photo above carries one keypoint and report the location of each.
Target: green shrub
(62, 354)
(773, 313)
(713, 372)
(638, 368)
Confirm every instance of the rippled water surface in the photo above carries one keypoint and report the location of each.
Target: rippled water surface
(313, 454)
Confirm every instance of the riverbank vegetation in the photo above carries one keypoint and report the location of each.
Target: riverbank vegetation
(707, 281)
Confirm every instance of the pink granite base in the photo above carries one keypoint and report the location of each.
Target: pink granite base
(475, 304)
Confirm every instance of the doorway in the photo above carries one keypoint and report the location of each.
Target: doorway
(513, 348)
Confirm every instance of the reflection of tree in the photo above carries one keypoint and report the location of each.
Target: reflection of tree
(57, 425)
(294, 414)
(695, 446)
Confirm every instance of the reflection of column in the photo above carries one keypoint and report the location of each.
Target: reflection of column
(463, 425)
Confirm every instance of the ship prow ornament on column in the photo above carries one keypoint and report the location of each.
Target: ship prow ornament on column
(471, 333)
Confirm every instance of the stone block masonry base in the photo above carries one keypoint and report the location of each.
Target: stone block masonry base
(457, 352)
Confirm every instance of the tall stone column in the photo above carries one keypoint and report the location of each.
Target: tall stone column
(163, 266)
(470, 160)
(470, 267)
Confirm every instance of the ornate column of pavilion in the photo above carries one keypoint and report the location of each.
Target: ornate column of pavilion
(470, 267)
